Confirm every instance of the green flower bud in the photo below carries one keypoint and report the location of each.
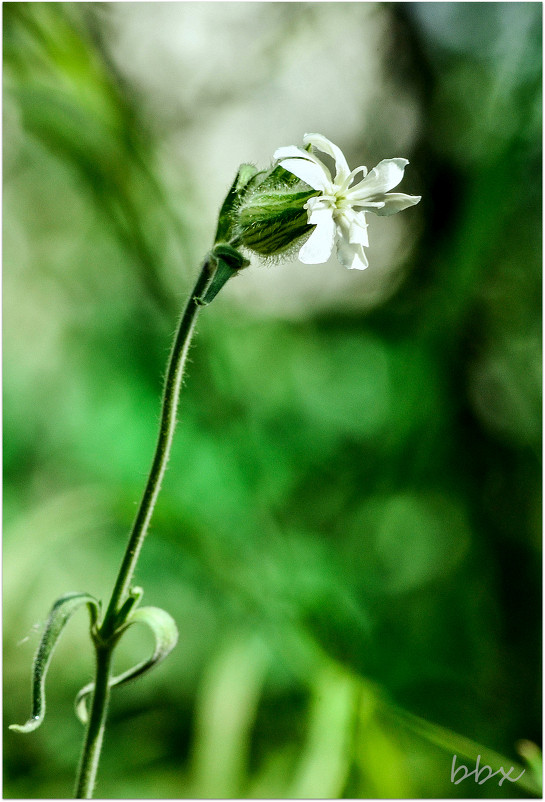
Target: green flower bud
(264, 211)
(270, 222)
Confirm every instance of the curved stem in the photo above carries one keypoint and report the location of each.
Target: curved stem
(171, 394)
(87, 771)
(106, 639)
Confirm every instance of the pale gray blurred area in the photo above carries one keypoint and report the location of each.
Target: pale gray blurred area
(223, 83)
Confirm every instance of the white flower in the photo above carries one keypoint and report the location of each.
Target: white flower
(339, 211)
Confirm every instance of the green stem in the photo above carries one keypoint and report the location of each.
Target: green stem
(106, 637)
(85, 781)
(171, 394)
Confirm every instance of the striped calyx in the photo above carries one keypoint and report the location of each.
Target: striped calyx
(269, 221)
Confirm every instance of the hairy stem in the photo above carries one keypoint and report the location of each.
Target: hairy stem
(86, 778)
(171, 394)
(106, 639)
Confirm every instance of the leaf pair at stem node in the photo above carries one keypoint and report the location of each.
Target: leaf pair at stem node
(160, 622)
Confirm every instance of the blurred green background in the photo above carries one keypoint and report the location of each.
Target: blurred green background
(349, 531)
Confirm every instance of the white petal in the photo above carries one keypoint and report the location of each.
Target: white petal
(351, 256)
(359, 261)
(385, 176)
(368, 205)
(318, 211)
(396, 202)
(308, 171)
(352, 176)
(320, 142)
(317, 249)
(358, 231)
(353, 227)
(316, 202)
(290, 152)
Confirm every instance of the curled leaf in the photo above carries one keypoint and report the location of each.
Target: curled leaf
(165, 633)
(60, 613)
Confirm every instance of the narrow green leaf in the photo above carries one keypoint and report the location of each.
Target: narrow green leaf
(228, 262)
(135, 596)
(222, 274)
(60, 613)
(165, 632)
(324, 763)
(532, 755)
(454, 743)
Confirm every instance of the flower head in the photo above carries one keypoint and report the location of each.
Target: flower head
(338, 212)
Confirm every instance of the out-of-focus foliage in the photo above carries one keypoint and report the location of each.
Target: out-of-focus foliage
(349, 532)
